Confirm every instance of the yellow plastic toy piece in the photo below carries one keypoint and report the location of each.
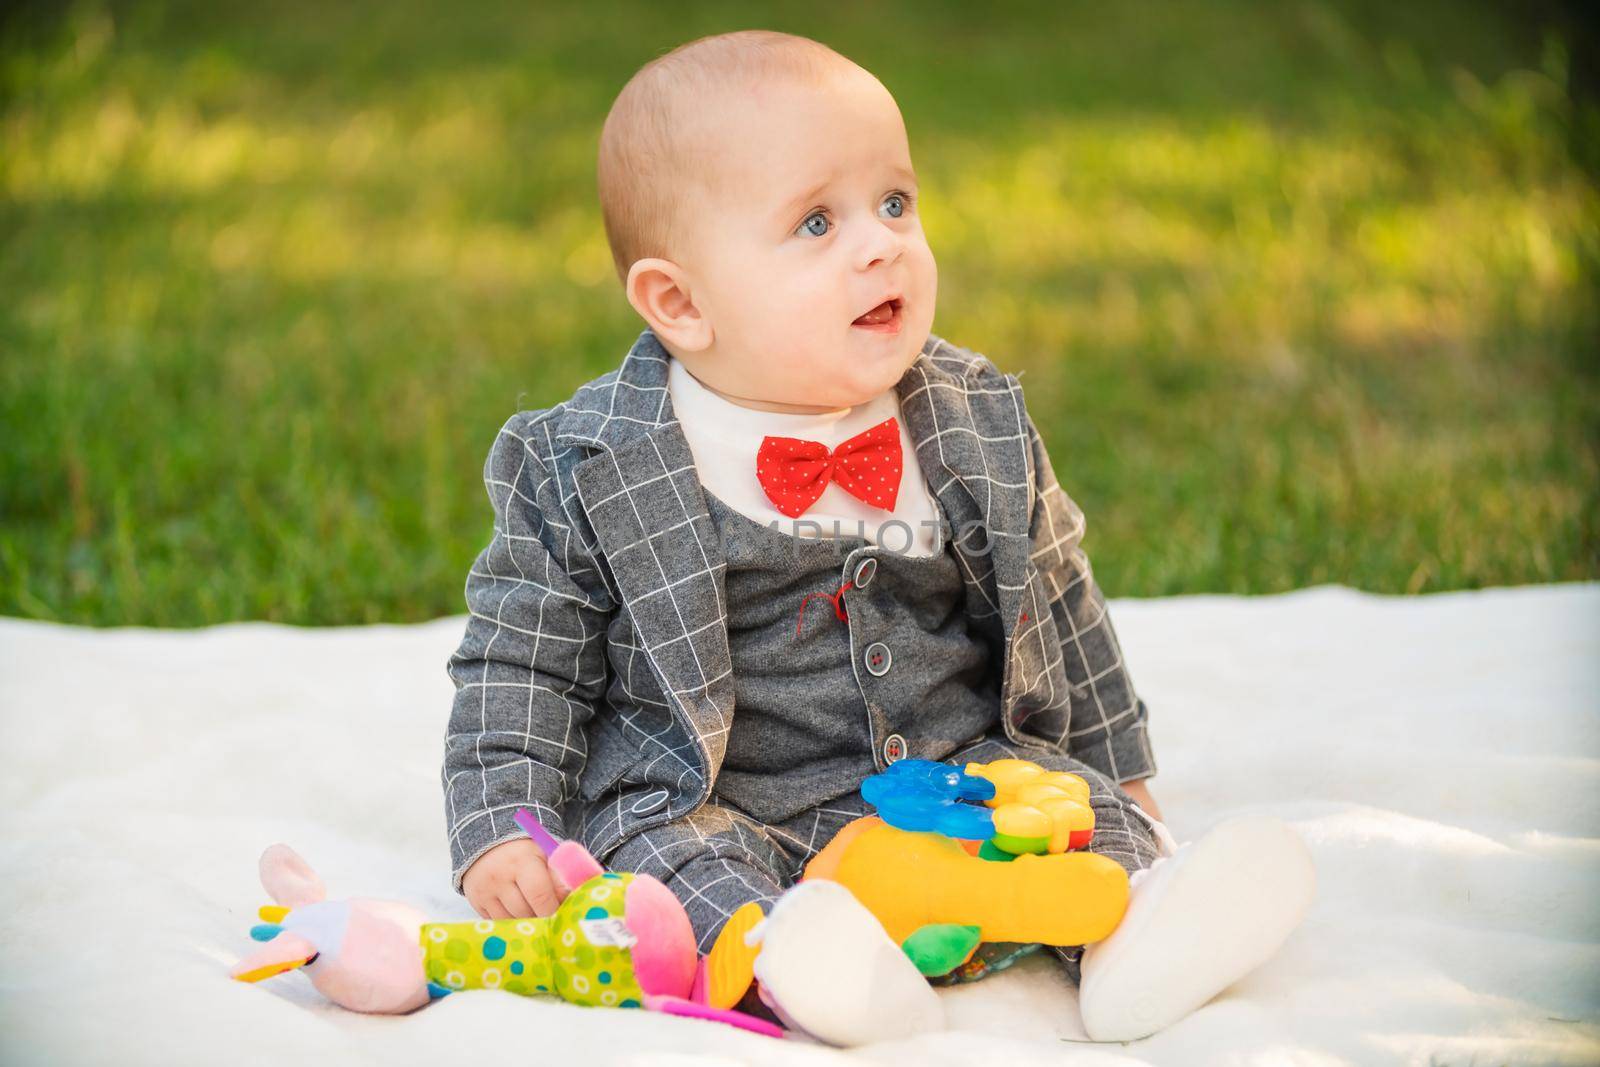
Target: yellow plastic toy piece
(909, 880)
(1036, 810)
(268, 970)
(730, 965)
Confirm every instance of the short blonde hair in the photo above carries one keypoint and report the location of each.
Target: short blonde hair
(648, 160)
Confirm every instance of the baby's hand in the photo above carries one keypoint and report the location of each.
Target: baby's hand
(511, 881)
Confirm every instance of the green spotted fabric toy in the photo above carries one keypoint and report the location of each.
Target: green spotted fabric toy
(617, 940)
(581, 953)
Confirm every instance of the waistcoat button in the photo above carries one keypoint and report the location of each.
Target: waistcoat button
(649, 802)
(878, 659)
(864, 572)
(894, 748)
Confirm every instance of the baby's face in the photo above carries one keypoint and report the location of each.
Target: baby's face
(810, 222)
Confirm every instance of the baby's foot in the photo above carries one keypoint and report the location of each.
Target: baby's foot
(828, 969)
(1197, 921)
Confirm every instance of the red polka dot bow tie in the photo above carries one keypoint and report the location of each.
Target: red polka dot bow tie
(794, 472)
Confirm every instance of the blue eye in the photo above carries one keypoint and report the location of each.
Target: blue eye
(897, 203)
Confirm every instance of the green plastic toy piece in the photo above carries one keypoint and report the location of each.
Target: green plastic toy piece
(940, 948)
(1019, 845)
(988, 851)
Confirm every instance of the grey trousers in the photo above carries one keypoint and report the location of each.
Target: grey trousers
(717, 858)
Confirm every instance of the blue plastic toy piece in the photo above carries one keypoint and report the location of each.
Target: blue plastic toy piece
(919, 794)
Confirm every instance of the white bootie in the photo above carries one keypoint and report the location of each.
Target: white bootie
(828, 969)
(1198, 920)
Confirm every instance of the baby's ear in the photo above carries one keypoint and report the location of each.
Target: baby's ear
(288, 879)
(660, 292)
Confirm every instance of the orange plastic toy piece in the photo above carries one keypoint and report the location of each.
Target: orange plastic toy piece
(729, 967)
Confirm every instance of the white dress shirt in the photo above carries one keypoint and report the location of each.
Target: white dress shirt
(725, 437)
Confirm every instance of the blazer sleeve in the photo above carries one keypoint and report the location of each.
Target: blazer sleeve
(532, 664)
(1108, 721)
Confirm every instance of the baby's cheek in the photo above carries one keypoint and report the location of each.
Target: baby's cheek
(772, 316)
(926, 270)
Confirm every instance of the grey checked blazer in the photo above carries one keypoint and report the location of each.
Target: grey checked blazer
(594, 682)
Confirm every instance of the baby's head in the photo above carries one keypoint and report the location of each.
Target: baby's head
(759, 199)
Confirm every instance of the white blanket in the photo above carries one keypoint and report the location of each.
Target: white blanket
(1441, 756)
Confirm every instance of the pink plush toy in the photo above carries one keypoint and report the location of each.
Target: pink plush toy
(618, 939)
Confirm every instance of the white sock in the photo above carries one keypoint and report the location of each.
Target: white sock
(1198, 920)
(828, 969)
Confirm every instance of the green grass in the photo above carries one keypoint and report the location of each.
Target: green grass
(1300, 293)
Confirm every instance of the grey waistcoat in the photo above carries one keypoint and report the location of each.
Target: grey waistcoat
(901, 676)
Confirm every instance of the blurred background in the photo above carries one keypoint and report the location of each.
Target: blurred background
(1300, 293)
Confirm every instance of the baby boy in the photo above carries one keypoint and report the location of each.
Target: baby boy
(794, 538)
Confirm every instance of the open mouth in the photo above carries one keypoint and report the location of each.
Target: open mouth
(885, 318)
